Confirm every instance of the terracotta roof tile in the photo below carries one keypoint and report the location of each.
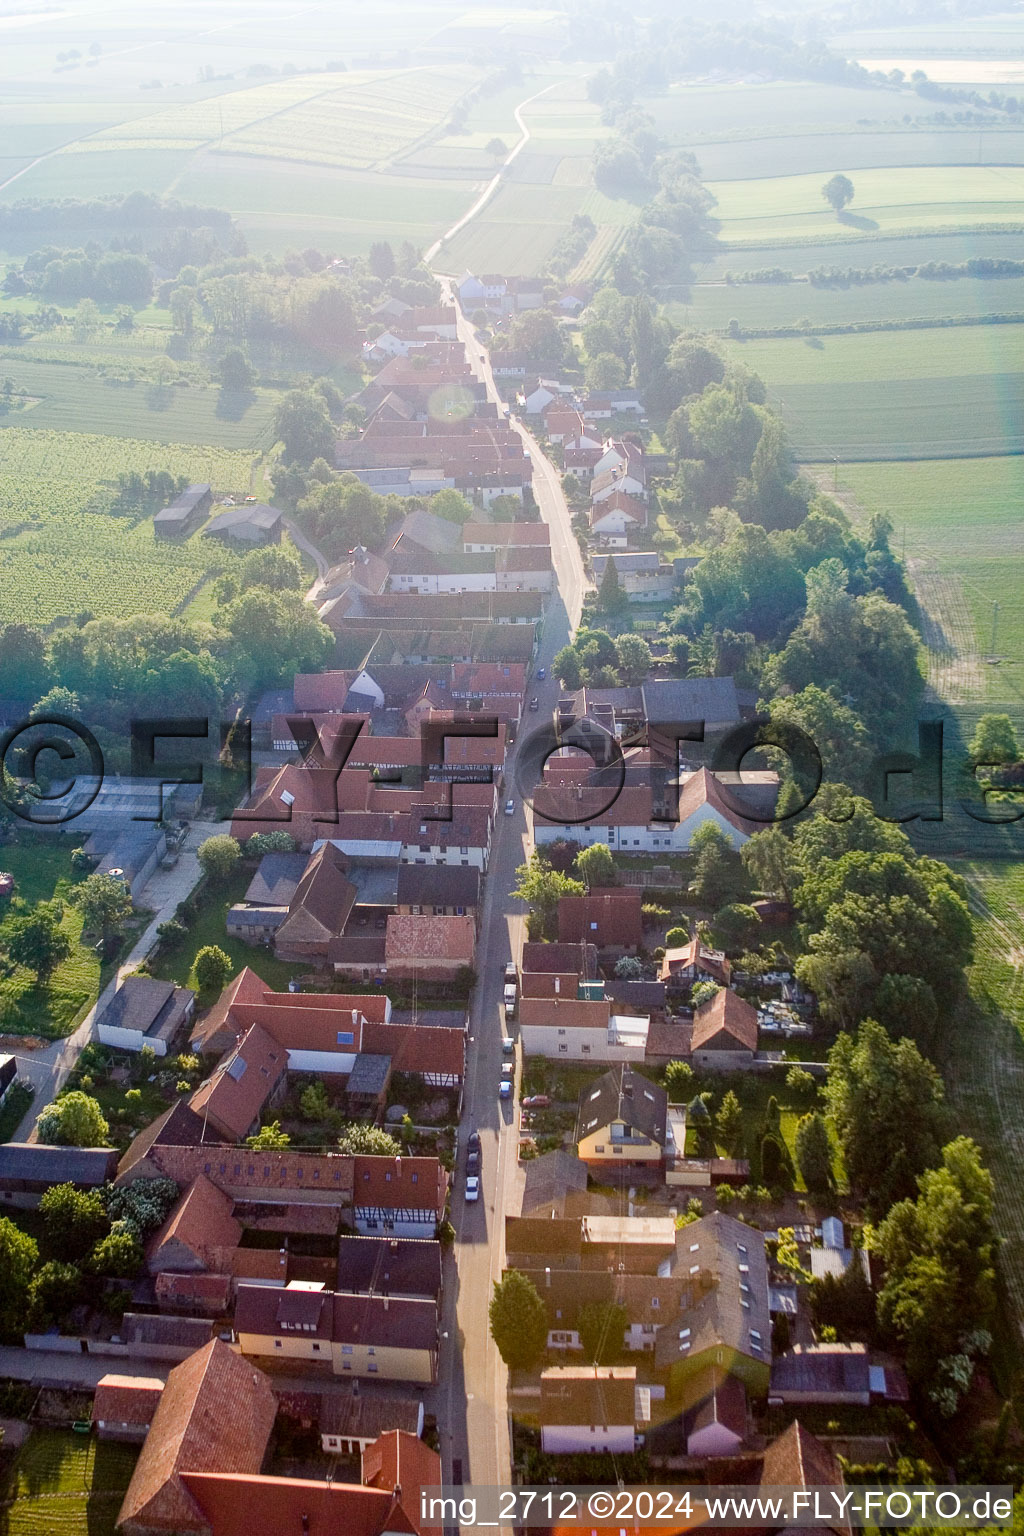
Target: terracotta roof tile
(723, 1019)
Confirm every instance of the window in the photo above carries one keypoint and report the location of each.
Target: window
(346, 1349)
(372, 1367)
(694, 1269)
(599, 1149)
(617, 1151)
(695, 1247)
(346, 1365)
(346, 1037)
(564, 1048)
(655, 1303)
(684, 1333)
(586, 1050)
(371, 1350)
(741, 1248)
(415, 1178)
(316, 1349)
(277, 1343)
(561, 1031)
(593, 927)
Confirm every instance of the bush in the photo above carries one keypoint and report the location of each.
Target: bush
(677, 938)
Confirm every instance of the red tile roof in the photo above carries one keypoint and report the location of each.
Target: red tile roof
(321, 691)
(400, 1460)
(238, 1505)
(602, 916)
(200, 1222)
(412, 938)
(126, 1399)
(233, 1096)
(417, 1182)
(216, 1412)
(725, 1022)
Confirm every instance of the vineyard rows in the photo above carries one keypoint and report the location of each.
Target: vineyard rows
(88, 459)
(101, 564)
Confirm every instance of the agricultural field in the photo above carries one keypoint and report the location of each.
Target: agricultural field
(938, 393)
(67, 1483)
(763, 306)
(985, 1070)
(901, 197)
(63, 397)
(793, 154)
(964, 541)
(691, 113)
(863, 251)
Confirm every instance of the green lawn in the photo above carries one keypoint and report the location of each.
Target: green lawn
(53, 1009)
(63, 1484)
(175, 964)
(792, 153)
(901, 197)
(765, 306)
(937, 393)
(688, 113)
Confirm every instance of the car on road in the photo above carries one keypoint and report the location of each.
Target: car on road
(473, 1142)
(537, 1101)
(534, 706)
(510, 971)
(510, 807)
(472, 1191)
(508, 1045)
(472, 1163)
(542, 673)
(505, 1088)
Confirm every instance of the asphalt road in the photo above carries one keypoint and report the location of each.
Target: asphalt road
(470, 1396)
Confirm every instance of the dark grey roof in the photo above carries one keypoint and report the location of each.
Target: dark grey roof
(369, 1074)
(183, 505)
(389, 1266)
(423, 885)
(279, 701)
(274, 883)
(142, 1328)
(549, 1179)
(625, 1095)
(398, 1321)
(411, 560)
(242, 915)
(638, 994)
(376, 881)
(37, 1163)
(676, 700)
(256, 515)
(364, 1417)
(178, 1126)
(430, 531)
(538, 956)
(729, 1257)
(154, 1008)
(359, 949)
(825, 1368)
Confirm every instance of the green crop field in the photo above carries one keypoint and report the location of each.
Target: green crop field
(83, 400)
(766, 305)
(38, 862)
(821, 154)
(106, 175)
(902, 197)
(897, 250)
(27, 456)
(63, 1484)
(964, 540)
(687, 113)
(903, 395)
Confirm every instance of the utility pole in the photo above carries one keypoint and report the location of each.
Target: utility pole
(835, 474)
(995, 621)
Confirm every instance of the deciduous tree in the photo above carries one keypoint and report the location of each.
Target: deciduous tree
(518, 1319)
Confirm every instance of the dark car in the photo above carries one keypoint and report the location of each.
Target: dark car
(472, 1163)
(473, 1142)
(534, 706)
(542, 673)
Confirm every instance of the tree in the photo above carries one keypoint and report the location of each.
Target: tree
(359, 1139)
(735, 927)
(314, 1103)
(814, 1153)
(601, 1326)
(54, 1290)
(270, 567)
(218, 856)
(119, 1255)
(213, 968)
(452, 505)
(677, 938)
(771, 860)
(237, 374)
(605, 371)
(566, 667)
(37, 940)
(718, 875)
(105, 903)
(269, 1138)
(273, 635)
(596, 866)
(19, 1257)
(994, 741)
(634, 659)
(303, 424)
(730, 1124)
(143, 1205)
(678, 1080)
(939, 1252)
(73, 1120)
(518, 1319)
(611, 599)
(702, 992)
(887, 1105)
(496, 147)
(775, 1166)
(838, 191)
(629, 968)
(73, 1220)
(542, 887)
(698, 1118)
(382, 260)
